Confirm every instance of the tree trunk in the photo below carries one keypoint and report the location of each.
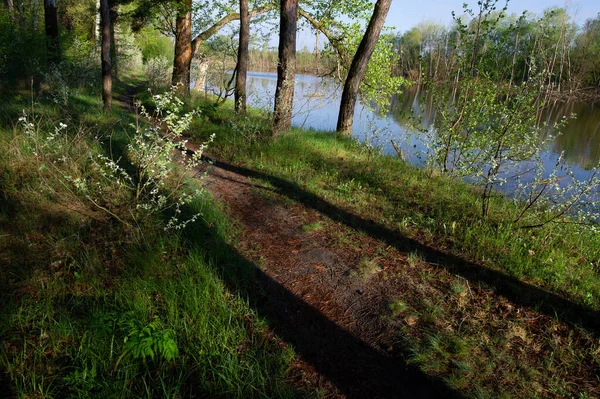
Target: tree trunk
(183, 47)
(105, 56)
(201, 74)
(241, 68)
(286, 68)
(10, 7)
(52, 41)
(359, 66)
(96, 32)
(114, 13)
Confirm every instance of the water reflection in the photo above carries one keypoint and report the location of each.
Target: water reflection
(317, 101)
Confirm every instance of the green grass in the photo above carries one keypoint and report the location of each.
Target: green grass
(444, 213)
(507, 327)
(88, 310)
(365, 268)
(93, 308)
(314, 226)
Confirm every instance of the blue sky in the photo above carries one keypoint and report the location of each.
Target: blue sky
(405, 14)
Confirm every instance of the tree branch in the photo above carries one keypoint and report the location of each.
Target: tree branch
(217, 26)
(335, 42)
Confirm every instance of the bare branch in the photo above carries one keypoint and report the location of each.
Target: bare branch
(217, 26)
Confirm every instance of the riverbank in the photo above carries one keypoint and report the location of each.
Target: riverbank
(317, 267)
(488, 308)
(95, 307)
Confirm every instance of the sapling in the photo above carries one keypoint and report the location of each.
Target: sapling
(487, 132)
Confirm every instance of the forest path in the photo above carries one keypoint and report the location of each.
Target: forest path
(324, 290)
(353, 297)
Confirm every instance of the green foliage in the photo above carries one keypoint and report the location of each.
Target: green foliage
(151, 339)
(587, 52)
(81, 66)
(128, 53)
(77, 16)
(153, 45)
(156, 185)
(135, 194)
(158, 71)
(22, 49)
(379, 83)
(558, 46)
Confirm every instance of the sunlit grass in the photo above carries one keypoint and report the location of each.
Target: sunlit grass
(458, 330)
(77, 291)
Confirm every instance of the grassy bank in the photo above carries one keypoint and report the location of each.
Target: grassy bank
(443, 213)
(493, 309)
(95, 307)
(92, 307)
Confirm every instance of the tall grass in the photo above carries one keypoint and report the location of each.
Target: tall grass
(89, 312)
(424, 205)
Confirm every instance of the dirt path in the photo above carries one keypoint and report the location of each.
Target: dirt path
(310, 296)
(316, 297)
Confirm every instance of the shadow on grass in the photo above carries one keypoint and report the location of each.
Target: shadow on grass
(515, 290)
(355, 368)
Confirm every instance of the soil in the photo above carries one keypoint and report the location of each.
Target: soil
(325, 299)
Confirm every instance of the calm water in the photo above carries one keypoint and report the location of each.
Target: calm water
(317, 101)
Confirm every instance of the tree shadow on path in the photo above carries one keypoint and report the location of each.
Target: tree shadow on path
(517, 291)
(353, 367)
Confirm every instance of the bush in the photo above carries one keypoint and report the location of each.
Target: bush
(129, 54)
(158, 72)
(153, 45)
(140, 190)
(81, 66)
(22, 50)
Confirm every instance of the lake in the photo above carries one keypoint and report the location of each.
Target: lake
(317, 101)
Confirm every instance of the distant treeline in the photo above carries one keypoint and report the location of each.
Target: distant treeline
(570, 53)
(306, 62)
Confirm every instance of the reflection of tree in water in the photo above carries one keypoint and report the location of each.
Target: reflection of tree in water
(580, 138)
(413, 103)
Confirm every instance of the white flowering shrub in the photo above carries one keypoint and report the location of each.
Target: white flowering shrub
(157, 183)
(55, 84)
(158, 71)
(141, 187)
(490, 136)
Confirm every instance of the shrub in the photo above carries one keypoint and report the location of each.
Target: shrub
(140, 189)
(158, 72)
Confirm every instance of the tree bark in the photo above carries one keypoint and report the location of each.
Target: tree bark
(52, 40)
(114, 13)
(9, 6)
(359, 66)
(202, 73)
(242, 61)
(183, 47)
(105, 56)
(96, 28)
(286, 68)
